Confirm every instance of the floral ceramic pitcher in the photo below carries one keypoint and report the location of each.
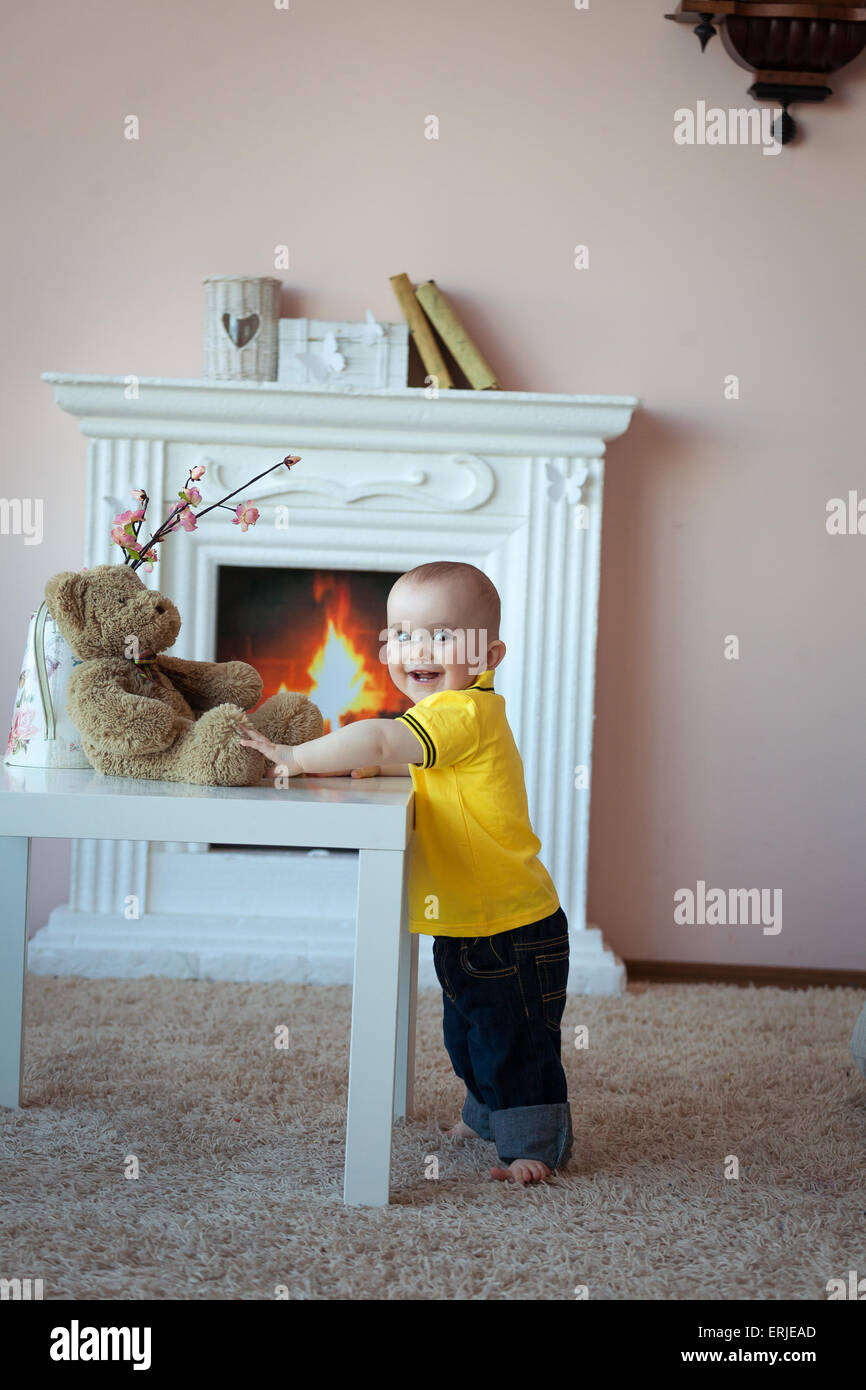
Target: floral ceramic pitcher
(42, 734)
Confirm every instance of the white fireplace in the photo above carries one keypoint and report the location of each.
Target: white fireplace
(509, 481)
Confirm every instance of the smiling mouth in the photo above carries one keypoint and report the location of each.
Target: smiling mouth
(424, 674)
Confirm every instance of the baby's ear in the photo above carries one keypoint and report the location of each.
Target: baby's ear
(64, 594)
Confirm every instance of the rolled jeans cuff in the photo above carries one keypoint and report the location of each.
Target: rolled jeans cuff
(476, 1116)
(533, 1131)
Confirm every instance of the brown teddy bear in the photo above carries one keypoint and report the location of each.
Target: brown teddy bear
(143, 714)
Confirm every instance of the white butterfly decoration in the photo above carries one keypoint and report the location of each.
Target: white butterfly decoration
(117, 504)
(325, 364)
(559, 487)
(371, 331)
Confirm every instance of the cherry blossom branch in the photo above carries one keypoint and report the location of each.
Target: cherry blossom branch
(128, 525)
(288, 461)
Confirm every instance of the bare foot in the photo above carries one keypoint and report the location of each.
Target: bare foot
(522, 1170)
(461, 1131)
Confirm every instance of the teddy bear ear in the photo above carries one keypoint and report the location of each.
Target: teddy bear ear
(64, 594)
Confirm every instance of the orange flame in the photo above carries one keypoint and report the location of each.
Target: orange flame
(343, 683)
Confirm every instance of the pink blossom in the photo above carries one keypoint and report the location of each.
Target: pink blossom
(125, 536)
(187, 519)
(247, 514)
(190, 495)
(23, 729)
(139, 493)
(124, 518)
(149, 558)
(197, 472)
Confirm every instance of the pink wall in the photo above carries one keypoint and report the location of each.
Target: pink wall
(261, 126)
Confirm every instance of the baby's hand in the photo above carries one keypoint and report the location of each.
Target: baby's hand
(373, 770)
(251, 738)
(282, 756)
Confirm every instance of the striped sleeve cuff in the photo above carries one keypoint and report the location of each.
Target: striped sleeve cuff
(421, 733)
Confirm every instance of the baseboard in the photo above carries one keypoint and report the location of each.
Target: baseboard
(247, 948)
(700, 972)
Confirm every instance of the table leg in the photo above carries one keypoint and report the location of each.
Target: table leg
(375, 1008)
(407, 998)
(14, 876)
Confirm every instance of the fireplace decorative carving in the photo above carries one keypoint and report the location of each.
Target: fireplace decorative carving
(388, 480)
(459, 483)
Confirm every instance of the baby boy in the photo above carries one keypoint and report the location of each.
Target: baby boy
(476, 884)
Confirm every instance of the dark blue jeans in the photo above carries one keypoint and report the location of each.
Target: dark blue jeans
(503, 997)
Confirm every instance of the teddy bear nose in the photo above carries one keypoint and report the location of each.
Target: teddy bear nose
(159, 608)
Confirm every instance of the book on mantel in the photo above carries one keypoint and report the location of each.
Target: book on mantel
(440, 314)
(420, 332)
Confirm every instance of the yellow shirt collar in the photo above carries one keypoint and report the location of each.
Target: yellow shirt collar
(482, 682)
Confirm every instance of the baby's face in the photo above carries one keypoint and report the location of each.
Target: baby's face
(435, 640)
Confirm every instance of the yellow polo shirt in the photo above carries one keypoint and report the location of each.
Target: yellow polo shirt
(473, 861)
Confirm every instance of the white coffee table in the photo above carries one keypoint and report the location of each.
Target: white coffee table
(374, 816)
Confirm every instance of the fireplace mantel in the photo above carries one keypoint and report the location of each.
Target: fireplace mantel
(510, 481)
(510, 422)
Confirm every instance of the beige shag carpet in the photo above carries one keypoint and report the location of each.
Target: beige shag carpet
(240, 1148)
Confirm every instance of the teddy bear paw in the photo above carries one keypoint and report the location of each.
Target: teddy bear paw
(288, 718)
(214, 756)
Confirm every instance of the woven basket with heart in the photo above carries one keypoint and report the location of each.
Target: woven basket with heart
(241, 336)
